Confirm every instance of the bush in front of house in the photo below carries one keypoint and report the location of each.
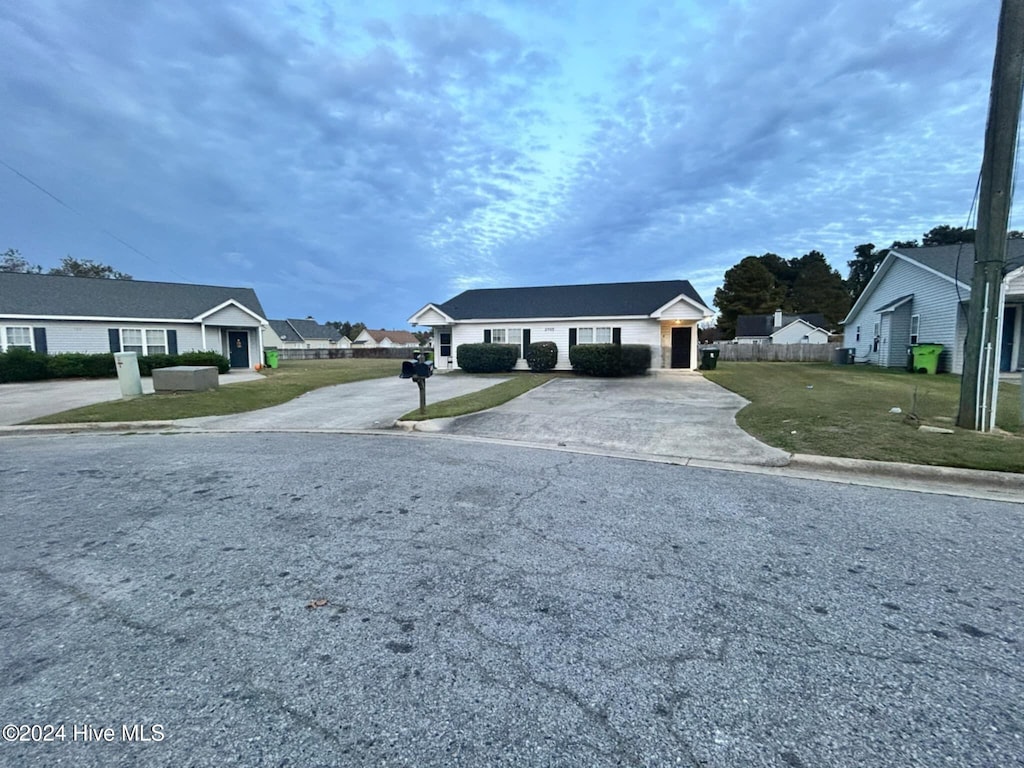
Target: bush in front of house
(610, 359)
(205, 358)
(148, 362)
(20, 364)
(77, 365)
(487, 358)
(542, 356)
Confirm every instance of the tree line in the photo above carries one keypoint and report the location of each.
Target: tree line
(759, 285)
(11, 260)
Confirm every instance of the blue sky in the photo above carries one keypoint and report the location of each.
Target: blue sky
(355, 160)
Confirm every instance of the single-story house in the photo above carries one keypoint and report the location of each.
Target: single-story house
(920, 295)
(55, 313)
(780, 328)
(663, 315)
(368, 339)
(304, 334)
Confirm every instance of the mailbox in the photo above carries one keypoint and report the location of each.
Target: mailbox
(408, 370)
(423, 370)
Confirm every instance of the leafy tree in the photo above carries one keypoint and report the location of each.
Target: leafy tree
(86, 268)
(749, 289)
(947, 235)
(818, 288)
(1015, 234)
(785, 274)
(905, 244)
(863, 266)
(423, 337)
(351, 330)
(12, 261)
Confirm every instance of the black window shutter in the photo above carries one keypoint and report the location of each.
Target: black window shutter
(526, 340)
(115, 339)
(39, 337)
(487, 335)
(616, 335)
(572, 337)
(172, 342)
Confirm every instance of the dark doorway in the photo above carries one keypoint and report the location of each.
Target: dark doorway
(681, 339)
(1009, 323)
(238, 344)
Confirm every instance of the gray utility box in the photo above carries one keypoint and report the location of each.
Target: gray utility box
(185, 378)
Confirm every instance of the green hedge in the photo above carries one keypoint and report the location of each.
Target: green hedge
(487, 358)
(542, 356)
(610, 359)
(25, 365)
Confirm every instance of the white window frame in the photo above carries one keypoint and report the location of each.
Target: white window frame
(915, 329)
(594, 333)
(144, 333)
(5, 338)
(507, 336)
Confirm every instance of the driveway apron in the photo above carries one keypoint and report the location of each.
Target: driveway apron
(678, 417)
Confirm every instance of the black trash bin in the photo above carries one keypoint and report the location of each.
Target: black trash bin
(708, 358)
(843, 356)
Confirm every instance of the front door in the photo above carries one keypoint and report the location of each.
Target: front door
(238, 344)
(1009, 323)
(681, 340)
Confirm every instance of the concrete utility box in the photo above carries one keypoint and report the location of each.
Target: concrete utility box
(185, 378)
(128, 374)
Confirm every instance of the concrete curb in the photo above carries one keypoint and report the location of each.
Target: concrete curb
(957, 475)
(92, 426)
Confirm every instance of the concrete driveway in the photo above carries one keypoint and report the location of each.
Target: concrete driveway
(372, 404)
(23, 401)
(680, 417)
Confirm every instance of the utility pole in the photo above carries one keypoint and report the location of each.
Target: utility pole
(978, 386)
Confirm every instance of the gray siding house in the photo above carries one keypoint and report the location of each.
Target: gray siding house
(55, 313)
(663, 315)
(920, 295)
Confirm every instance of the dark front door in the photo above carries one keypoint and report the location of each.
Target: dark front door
(681, 338)
(238, 344)
(1009, 322)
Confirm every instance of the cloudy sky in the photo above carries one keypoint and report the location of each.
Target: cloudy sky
(354, 160)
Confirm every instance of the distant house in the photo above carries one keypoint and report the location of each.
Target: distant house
(56, 313)
(920, 295)
(304, 334)
(369, 339)
(779, 328)
(663, 315)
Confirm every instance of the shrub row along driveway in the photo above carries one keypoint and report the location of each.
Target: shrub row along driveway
(679, 416)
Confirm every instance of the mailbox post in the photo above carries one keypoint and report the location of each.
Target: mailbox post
(419, 370)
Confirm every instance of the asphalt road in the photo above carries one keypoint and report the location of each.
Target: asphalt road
(491, 605)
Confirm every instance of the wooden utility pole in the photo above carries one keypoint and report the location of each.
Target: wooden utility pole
(981, 354)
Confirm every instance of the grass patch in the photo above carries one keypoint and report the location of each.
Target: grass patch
(482, 399)
(293, 378)
(843, 411)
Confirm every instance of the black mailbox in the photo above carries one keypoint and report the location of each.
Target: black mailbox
(408, 369)
(423, 370)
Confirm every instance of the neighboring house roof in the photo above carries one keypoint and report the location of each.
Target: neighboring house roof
(593, 300)
(397, 337)
(953, 262)
(896, 303)
(310, 329)
(58, 295)
(764, 325)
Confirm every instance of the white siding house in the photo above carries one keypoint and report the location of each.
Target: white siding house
(919, 295)
(56, 313)
(663, 315)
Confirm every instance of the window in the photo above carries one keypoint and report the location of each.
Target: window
(915, 328)
(507, 335)
(876, 333)
(857, 337)
(152, 341)
(18, 336)
(599, 335)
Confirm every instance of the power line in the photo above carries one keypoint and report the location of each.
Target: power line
(78, 213)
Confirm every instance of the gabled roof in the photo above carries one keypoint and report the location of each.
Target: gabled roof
(639, 299)
(398, 337)
(895, 303)
(310, 329)
(764, 325)
(61, 296)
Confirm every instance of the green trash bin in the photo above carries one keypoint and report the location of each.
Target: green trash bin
(272, 357)
(708, 358)
(926, 357)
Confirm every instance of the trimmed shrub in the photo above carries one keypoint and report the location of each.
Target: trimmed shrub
(487, 358)
(610, 359)
(73, 365)
(148, 362)
(205, 358)
(20, 364)
(542, 356)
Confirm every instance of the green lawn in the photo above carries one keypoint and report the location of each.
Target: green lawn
(844, 411)
(483, 399)
(293, 378)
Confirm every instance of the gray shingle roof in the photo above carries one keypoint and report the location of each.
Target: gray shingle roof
(311, 329)
(764, 325)
(594, 300)
(48, 295)
(943, 258)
